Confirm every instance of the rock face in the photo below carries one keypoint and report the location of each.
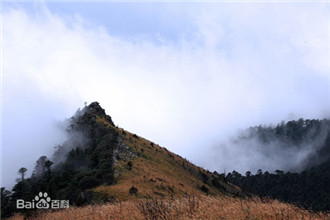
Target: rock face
(103, 125)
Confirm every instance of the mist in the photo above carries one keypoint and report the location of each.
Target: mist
(187, 86)
(31, 129)
(261, 148)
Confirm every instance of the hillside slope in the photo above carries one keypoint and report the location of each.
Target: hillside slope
(103, 163)
(151, 169)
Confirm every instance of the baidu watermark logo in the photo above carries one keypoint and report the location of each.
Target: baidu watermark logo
(42, 201)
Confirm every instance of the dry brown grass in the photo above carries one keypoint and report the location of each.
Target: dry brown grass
(155, 171)
(204, 207)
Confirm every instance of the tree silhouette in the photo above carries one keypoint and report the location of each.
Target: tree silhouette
(48, 164)
(22, 171)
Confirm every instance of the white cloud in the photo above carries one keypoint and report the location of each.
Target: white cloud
(242, 65)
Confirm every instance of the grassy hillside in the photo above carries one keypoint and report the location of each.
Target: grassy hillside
(156, 172)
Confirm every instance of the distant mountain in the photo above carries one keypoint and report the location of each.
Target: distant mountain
(308, 185)
(101, 162)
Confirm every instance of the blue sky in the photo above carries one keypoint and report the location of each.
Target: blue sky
(126, 19)
(184, 75)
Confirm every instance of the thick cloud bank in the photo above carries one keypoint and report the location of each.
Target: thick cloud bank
(237, 65)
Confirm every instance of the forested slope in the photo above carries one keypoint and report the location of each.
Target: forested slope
(309, 184)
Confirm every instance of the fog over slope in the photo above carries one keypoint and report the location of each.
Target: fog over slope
(186, 85)
(273, 148)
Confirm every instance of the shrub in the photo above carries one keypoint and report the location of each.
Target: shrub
(203, 177)
(205, 189)
(133, 190)
(130, 165)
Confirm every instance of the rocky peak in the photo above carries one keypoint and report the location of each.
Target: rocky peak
(94, 109)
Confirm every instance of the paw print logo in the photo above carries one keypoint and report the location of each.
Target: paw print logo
(42, 200)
